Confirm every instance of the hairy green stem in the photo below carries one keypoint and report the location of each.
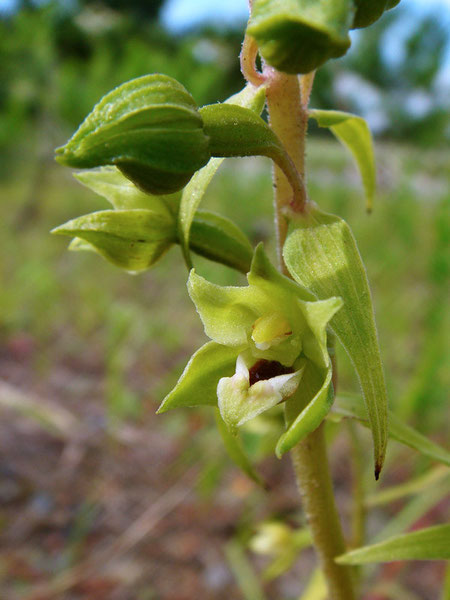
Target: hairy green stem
(287, 99)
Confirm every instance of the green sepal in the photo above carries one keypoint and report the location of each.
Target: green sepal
(307, 408)
(354, 133)
(131, 239)
(148, 127)
(229, 312)
(251, 97)
(236, 452)
(121, 193)
(297, 36)
(219, 239)
(351, 406)
(321, 254)
(432, 543)
(213, 236)
(197, 385)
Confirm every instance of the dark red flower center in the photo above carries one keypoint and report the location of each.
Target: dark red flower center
(266, 369)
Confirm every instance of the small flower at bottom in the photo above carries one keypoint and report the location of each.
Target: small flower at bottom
(269, 345)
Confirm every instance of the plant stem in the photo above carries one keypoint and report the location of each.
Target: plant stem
(287, 100)
(312, 471)
(288, 119)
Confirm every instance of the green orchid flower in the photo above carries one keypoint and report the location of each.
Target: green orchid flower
(269, 345)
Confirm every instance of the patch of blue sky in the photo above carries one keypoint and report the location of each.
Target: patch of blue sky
(179, 15)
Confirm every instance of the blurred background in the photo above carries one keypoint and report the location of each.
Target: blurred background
(99, 497)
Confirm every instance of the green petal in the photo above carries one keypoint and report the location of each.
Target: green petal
(308, 315)
(198, 382)
(318, 314)
(308, 407)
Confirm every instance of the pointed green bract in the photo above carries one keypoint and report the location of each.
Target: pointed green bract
(354, 133)
(251, 97)
(297, 36)
(351, 406)
(197, 385)
(322, 255)
(432, 543)
(149, 128)
(131, 239)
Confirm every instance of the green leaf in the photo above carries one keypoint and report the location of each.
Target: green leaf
(307, 408)
(197, 385)
(351, 406)
(148, 127)
(321, 254)
(131, 239)
(236, 452)
(110, 183)
(219, 239)
(297, 36)
(432, 543)
(250, 97)
(354, 133)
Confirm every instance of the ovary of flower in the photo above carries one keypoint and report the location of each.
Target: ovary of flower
(239, 401)
(270, 330)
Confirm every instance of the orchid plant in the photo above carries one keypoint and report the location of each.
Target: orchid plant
(151, 151)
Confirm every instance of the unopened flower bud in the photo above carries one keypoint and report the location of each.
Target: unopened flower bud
(149, 128)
